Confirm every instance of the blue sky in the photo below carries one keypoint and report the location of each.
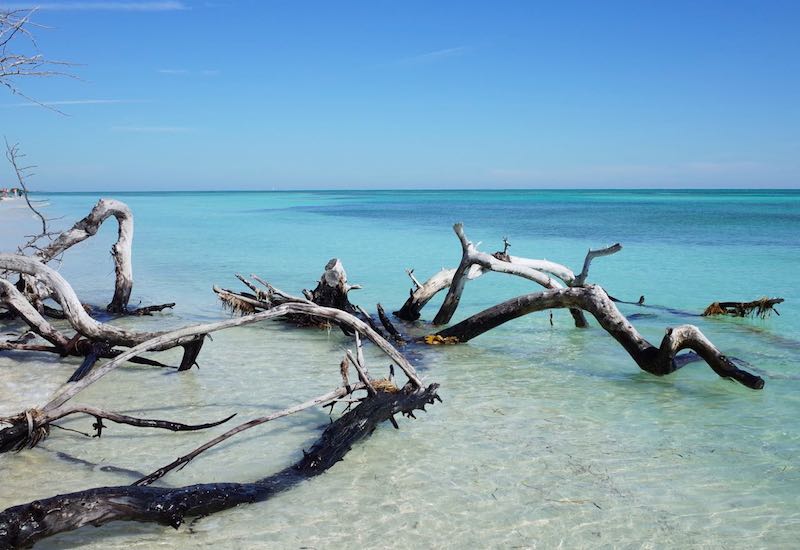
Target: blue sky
(281, 94)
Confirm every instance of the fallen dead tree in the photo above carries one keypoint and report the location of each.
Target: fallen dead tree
(331, 291)
(593, 299)
(367, 401)
(27, 428)
(38, 282)
(23, 525)
(94, 333)
(121, 251)
(575, 296)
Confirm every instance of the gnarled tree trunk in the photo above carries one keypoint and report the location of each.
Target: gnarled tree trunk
(595, 300)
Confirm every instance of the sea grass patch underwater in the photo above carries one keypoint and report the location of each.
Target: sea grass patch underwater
(548, 434)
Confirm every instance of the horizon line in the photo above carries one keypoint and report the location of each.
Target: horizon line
(412, 189)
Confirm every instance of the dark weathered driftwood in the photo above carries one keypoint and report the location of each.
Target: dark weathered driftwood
(593, 299)
(28, 428)
(388, 325)
(182, 461)
(24, 525)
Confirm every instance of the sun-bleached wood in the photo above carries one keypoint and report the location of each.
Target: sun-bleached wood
(121, 250)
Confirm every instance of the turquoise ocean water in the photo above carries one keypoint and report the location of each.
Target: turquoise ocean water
(548, 436)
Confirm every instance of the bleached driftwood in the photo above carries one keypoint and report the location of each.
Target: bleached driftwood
(14, 300)
(423, 293)
(67, 391)
(470, 256)
(474, 263)
(121, 250)
(73, 309)
(593, 299)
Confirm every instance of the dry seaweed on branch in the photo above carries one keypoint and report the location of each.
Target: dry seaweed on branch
(762, 308)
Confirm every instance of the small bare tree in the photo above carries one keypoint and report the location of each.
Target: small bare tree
(20, 58)
(27, 61)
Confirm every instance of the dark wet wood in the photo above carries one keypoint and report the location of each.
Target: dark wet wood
(24, 525)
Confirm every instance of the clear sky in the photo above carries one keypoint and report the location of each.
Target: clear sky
(282, 94)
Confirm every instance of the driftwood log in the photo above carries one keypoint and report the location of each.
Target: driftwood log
(593, 299)
(23, 525)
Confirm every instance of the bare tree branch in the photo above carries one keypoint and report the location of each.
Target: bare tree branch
(14, 25)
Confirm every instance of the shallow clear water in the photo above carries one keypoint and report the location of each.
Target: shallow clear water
(547, 437)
